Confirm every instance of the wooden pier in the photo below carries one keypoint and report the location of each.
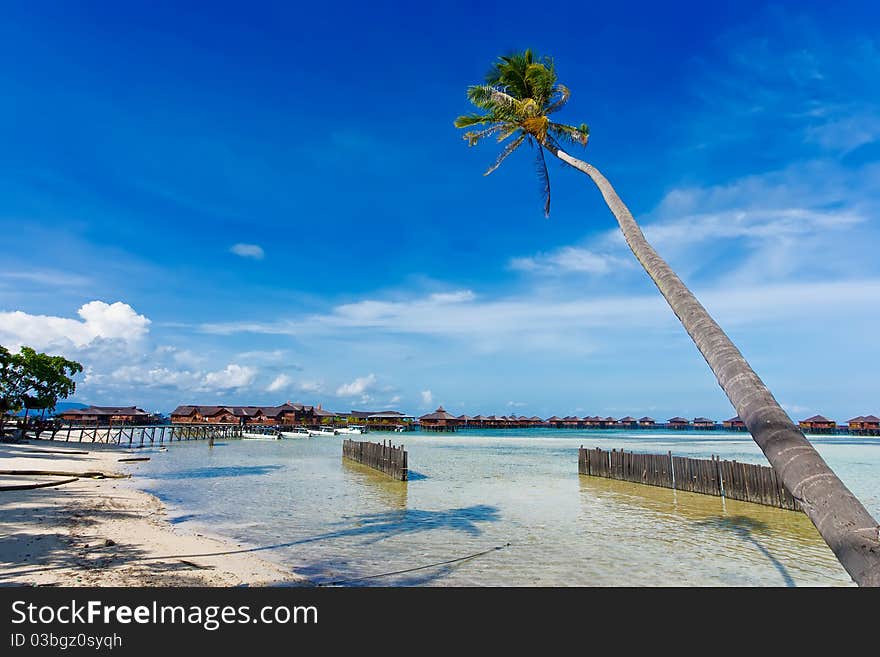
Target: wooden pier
(140, 435)
(730, 479)
(383, 457)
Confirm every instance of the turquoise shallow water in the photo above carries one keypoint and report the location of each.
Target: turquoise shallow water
(302, 505)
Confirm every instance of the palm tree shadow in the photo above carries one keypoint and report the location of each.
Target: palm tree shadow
(746, 528)
(375, 527)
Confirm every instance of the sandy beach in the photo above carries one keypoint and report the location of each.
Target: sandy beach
(103, 532)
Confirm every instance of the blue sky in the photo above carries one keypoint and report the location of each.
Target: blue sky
(258, 203)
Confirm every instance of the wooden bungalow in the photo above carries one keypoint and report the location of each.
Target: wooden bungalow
(465, 420)
(734, 424)
(592, 421)
(818, 424)
(864, 425)
(647, 422)
(106, 415)
(628, 422)
(439, 420)
(608, 422)
(535, 421)
(382, 420)
(284, 414)
(678, 423)
(479, 420)
(554, 421)
(571, 422)
(704, 423)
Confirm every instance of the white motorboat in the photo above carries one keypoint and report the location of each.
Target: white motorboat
(353, 429)
(259, 436)
(323, 431)
(297, 432)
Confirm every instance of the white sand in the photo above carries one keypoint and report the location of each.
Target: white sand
(102, 532)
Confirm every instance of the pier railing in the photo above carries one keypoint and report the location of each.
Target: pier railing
(730, 479)
(382, 457)
(140, 435)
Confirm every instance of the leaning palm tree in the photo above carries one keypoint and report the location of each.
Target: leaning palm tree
(519, 97)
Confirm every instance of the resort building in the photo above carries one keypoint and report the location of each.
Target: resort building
(864, 425)
(627, 422)
(734, 424)
(554, 421)
(382, 420)
(439, 420)
(285, 414)
(818, 424)
(704, 423)
(107, 415)
(678, 423)
(647, 422)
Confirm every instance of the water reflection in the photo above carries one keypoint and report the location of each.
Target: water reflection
(385, 490)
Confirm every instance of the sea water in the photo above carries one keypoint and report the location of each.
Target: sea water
(513, 493)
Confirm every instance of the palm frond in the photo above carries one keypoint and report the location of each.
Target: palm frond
(560, 97)
(512, 146)
(467, 120)
(473, 137)
(568, 133)
(544, 178)
(492, 98)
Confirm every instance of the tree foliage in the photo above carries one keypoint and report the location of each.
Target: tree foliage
(34, 380)
(520, 93)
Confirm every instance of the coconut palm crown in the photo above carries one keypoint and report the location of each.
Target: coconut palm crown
(519, 95)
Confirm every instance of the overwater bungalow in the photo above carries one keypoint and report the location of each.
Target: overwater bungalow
(678, 423)
(608, 422)
(818, 424)
(465, 420)
(647, 422)
(592, 421)
(382, 420)
(535, 421)
(704, 423)
(106, 415)
(283, 414)
(479, 420)
(628, 422)
(734, 424)
(554, 421)
(439, 420)
(571, 421)
(864, 425)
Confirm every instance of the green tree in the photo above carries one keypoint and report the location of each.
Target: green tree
(34, 380)
(520, 94)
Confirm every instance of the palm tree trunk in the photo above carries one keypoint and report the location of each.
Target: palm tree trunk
(847, 527)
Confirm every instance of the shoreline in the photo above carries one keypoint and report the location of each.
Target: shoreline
(107, 532)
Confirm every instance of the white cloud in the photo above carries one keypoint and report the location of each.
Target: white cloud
(280, 382)
(254, 251)
(47, 277)
(311, 386)
(427, 398)
(99, 320)
(359, 386)
(232, 376)
(571, 259)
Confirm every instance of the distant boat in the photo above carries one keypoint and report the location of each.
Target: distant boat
(260, 436)
(324, 431)
(353, 429)
(298, 432)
